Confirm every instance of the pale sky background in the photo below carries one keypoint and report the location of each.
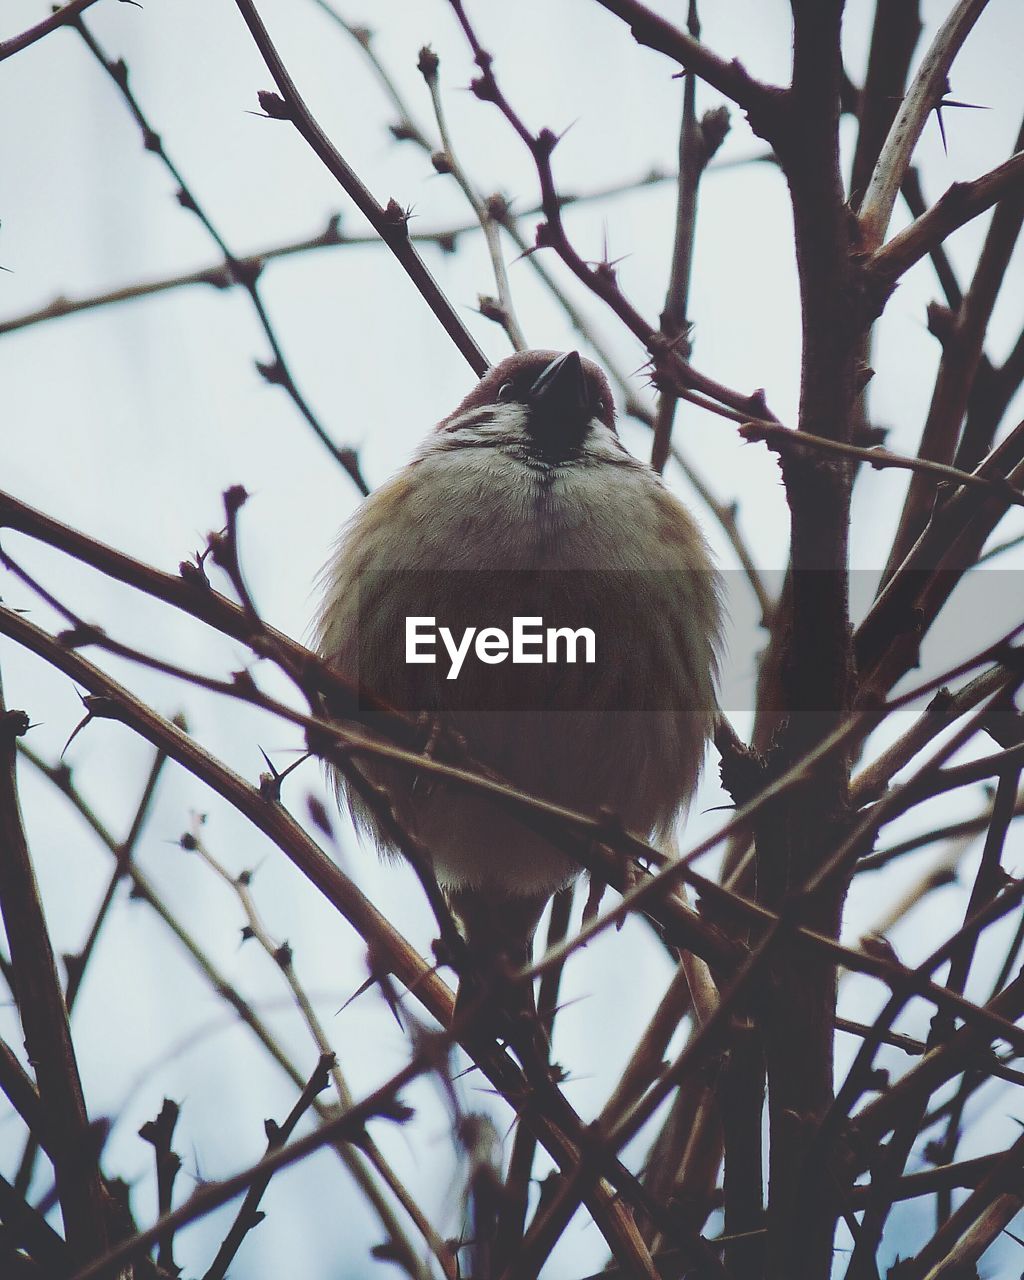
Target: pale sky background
(129, 422)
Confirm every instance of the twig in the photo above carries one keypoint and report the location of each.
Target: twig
(697, 144)
(888, 637)
(219, 275)
(282, 955)
(940, 1064)
(349, 1124)
(218, 982)
(960, 203)
(941, 1256)
(76, 965)
(992, 1221)
(66, 13)
(705, 1040)
(986, 886)
(894, 36)
(990, 877)
(22, 1093)
(924, 95)
(448, 162)
(939, 873)
(512, 1217)
(390, 223)
(670, 366)
(724, 512)
(190, 591)
(116, 702)
(943, 710)
(144, 890)
(778, 436)
(929, 780)
(1001, 548)
(123, 853)
(44, 1017)
(499, 209)
(758, 100)
(248, 1215)
(968, 1173)
(160, 1133)
(962, 350)
(33, 1233)
(950, 831)
(915, 202)
(993, 388)
(276, 370)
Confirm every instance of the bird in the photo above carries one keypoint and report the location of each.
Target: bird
(524, 502)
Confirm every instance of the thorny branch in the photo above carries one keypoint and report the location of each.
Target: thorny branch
(246, 274)
(390, 222)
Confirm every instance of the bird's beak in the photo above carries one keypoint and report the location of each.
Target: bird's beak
(561, 388)
(560, 409)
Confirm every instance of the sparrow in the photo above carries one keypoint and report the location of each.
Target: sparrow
(523, 502)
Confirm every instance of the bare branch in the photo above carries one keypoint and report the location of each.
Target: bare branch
(390, 223)
(44, 1018)
(961, 202)
(218, 982)
(66, 13)
(382, 1102)
(924, 95)
(913, 196)
(231, 275)
(780, 437)
(670, 366)
(276, 370)
(283, 956)
(894, 36)
(759, 101)
(698, 142)
(160, 1133)
(448, 161)
(249, 1215)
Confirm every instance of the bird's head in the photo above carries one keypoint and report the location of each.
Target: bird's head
(551, 400)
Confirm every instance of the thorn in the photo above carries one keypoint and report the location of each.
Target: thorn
(361, 990)
(942, 129)
(77, 729)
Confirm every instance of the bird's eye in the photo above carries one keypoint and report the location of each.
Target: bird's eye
(601, 405)
(505, 391)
